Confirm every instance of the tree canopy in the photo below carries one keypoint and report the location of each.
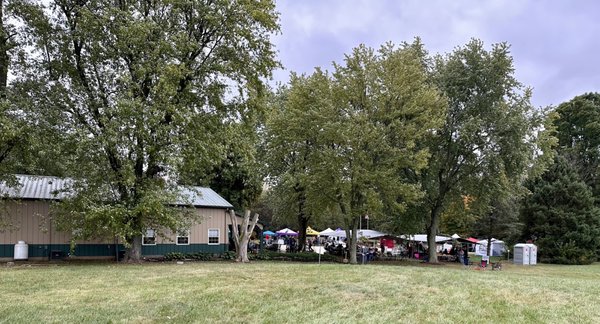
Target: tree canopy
(490, 136)
(561, 217)
(358, 128)
(578, 132)
(140, 91)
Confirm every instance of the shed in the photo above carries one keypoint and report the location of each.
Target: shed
(27, 208)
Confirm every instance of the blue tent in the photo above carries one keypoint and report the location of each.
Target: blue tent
(268, 233)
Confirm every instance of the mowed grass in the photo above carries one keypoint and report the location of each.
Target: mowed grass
(280, 292)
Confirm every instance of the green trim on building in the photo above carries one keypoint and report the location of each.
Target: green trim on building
(43, 250)
(104, 250)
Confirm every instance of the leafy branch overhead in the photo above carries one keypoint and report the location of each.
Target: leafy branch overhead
(142, 90)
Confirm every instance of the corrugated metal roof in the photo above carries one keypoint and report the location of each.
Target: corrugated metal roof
(36, 187)
(52, 188)
(200, 196)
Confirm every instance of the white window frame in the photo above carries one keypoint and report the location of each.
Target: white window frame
(177, 236)
(153, 236)
(218, 236)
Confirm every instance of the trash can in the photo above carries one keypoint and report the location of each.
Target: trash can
(21, 251)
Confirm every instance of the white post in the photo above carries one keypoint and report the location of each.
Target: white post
(319, 247)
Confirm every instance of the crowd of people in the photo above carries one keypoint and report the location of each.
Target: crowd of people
(366, 251)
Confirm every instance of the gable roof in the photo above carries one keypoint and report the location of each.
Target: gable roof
(50, 188)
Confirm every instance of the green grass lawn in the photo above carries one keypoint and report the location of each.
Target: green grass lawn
(280, 292)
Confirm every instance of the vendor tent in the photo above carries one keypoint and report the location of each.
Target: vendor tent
(312, 232)
(337, 233)
(265, 233)
(361, 233)
(423, 238)
(286, 232)
(370, 234)
(326, 232)
(498, 247)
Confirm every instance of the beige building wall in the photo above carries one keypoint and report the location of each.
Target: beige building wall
(31, 223)
(27, 221)
(209, 218)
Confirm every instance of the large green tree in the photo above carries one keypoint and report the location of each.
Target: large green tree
(9, 120)
(293, 138)
(489, 138)
(578, 131)
(383, 105)
(238, 177)
(561, 217)
(341, 140)
(142, 90)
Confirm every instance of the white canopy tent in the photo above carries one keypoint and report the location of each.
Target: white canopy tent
(337, 233)
(286, 231)
(498, 247)
(423, 238)
(326, 232)
(361, 233)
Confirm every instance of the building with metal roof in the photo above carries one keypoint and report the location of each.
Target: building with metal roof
(54, 188)
(28, 209)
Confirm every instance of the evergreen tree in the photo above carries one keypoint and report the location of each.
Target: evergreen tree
(578, 129)
(560, 216)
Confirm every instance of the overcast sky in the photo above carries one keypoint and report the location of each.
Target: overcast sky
(555, 44)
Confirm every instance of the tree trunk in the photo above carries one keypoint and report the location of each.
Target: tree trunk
(302, 218)
(242, 254)
(303, 221)
(241, 237)
(490, 232)
(432, 232)
(133, 253)
(351, 242)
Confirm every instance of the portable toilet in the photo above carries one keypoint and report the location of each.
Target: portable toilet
(521, 254)
(532, 253)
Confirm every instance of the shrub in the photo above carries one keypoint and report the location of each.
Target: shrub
(199, 256)
(229, 255)
(298, 257)
(171, 256)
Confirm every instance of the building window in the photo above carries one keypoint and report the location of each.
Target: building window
(183, 237)
(213, 236)
(149, 237)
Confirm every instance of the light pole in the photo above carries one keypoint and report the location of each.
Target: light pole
(367, 218)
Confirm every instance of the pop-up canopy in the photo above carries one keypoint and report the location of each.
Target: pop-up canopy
(286, 232)
(423, 238)
(265, 233)
(310, 231)
(326, 232)
(361, 233)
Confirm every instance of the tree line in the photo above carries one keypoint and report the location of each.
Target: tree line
(133, 98)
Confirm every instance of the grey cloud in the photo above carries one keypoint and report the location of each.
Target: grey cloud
(553, 42)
